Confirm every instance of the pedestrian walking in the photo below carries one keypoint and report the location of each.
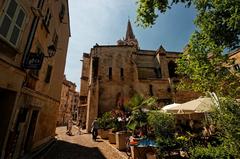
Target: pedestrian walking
(94, 129)
(80, 125)
(69, 127)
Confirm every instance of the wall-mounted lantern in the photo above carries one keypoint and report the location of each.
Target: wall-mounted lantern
(51, 51)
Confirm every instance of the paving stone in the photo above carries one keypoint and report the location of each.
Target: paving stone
(81, 147)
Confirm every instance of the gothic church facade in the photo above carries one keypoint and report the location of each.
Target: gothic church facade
(112, 74)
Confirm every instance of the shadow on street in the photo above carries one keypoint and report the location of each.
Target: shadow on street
(66, 150)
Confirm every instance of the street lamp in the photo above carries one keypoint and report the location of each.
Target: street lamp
(51, 51)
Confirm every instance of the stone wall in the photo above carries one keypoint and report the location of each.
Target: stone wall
(33, 119)
(119, 72)
(111, 90)
(84, 78)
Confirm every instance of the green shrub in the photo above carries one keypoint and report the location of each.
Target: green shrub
(210, 152)
(104, 121)
(163, 123)
(164, 128)
(226, 119)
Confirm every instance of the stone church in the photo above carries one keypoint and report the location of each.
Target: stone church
(112, 74)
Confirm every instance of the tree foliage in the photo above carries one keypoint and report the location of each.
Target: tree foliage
(204, 67)
(147, 10)
(164, 128)
(218, 19)
(203, 64)
(227, 120)
(138, 104)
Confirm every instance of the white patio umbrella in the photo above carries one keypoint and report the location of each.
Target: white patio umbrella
(197, 105)
(168, 108)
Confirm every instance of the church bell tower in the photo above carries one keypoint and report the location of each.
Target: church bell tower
(129, 39)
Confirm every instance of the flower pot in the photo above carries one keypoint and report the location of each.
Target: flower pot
(151, 156)
(121, 140)
(104, 134)
(112, 138)
(100, 132)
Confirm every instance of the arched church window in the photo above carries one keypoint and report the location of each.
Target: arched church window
(121, 74)
(150, 90)
(172, 69)
(158, 72)
(95, 67)
(110, 73)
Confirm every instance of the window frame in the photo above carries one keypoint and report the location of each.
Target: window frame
(110, 73)
(122, 73)
(55, 39)
(62, 12)
(13, 22)
(47, 19)
(151, 90)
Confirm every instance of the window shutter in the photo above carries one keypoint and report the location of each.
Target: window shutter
(48, 75)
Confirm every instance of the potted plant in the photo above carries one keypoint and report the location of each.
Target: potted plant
(112, 136)
(104, 125)
(139, 107)
(163, 125)
(138, 123)
(115, 125)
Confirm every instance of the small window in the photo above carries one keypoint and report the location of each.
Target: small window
(55, 39)
(47, 18)
(40, 3)
(169, 90)
(11, 22)
(48, 75)
(158, 72)
(122, 74)
(172, 69)
(151, 90)
(62, 13)
(110, 73)
(95, 67)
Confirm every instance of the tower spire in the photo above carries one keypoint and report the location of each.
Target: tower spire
(129, 33)
(130, 39)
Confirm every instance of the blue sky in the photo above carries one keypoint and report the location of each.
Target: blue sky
(105, 21)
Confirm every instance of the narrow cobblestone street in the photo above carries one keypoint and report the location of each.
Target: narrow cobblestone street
(80, 147)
